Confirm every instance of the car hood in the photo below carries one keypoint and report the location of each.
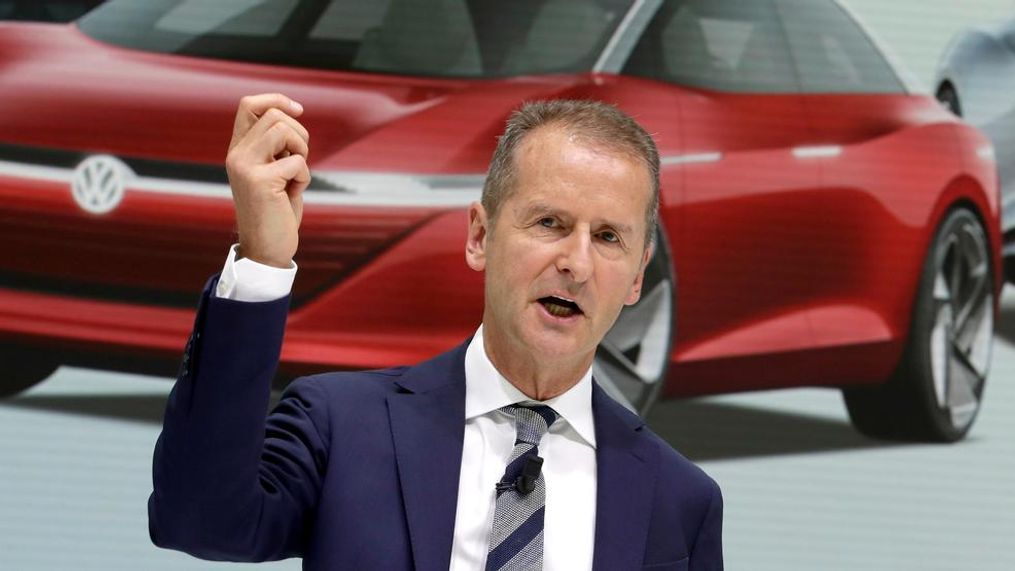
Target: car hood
(63, 90)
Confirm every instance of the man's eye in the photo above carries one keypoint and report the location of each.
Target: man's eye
(610, 237)
(548, 222)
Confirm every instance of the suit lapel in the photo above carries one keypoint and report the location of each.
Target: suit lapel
(626, 466)
(428, 427)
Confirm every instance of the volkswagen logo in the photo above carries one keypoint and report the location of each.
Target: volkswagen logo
(99, 183)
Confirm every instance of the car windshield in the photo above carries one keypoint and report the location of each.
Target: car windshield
(438, 38)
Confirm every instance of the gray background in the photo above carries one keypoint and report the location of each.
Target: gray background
(802, 489)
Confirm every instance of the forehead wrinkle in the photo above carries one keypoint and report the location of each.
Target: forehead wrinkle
(571, 150)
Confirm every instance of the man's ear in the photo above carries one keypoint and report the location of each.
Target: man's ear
(635, 294)
(475, 244)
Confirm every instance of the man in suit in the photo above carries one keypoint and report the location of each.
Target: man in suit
(500, 454)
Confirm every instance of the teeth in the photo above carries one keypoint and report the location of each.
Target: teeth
(558, 310)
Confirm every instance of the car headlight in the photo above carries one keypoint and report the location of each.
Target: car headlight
(393, 189)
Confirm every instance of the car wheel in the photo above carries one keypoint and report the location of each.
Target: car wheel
(632, 359)
(937, 388)
(22, 369)
(948, 97)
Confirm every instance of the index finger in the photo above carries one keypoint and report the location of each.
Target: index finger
(253, 106)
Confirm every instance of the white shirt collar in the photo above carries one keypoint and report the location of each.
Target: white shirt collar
(487, 390)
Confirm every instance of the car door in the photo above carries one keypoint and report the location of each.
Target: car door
(742, 277)
(881, 149)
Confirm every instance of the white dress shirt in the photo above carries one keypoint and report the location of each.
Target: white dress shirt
(569, 467)
(568, 448)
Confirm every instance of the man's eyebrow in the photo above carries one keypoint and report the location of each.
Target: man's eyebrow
(541, 208)
(622, 228)
(536, 208)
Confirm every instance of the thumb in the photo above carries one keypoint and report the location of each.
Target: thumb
(294, 169)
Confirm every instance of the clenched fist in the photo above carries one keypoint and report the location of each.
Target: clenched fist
(267, 168)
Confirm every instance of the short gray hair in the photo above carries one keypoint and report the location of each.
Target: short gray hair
(594, 123)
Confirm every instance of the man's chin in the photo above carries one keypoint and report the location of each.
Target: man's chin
(554, 345)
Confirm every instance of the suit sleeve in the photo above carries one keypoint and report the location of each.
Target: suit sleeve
(706, 555)
(230, 484)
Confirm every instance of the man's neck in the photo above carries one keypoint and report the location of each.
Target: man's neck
(538, 380)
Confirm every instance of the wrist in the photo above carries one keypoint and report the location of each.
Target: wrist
(255, 256)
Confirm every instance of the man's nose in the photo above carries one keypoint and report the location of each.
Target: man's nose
(575, 256)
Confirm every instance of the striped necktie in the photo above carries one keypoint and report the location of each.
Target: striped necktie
(516, 541)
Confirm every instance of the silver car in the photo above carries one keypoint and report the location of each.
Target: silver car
(976, 81)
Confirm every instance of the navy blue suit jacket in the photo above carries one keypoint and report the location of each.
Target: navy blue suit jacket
(360, 470)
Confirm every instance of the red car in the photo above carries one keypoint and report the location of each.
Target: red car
(821, 224)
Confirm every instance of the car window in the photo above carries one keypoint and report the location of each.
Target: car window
(45, 10)
(231, 17)
(832, 53)
(442, 38)
(348, 21)
(728, 45)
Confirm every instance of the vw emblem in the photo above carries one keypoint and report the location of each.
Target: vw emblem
(99, 183)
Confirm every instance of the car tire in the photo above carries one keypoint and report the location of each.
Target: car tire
(632, 360)
(948, 97)
(937, 388)
(23, 369)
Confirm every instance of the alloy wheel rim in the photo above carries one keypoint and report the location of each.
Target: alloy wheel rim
(631, 360)
(962, 333)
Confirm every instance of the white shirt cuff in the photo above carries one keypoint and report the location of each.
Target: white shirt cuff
(247, 280)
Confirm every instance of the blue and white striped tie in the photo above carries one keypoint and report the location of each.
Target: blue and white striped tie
(516, 541)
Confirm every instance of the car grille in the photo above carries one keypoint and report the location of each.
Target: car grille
(158, 249)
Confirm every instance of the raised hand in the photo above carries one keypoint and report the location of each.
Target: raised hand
(267, 168)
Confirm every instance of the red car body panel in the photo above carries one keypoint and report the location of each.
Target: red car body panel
(796, 264)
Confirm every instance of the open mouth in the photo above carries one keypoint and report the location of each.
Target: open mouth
(560, 307)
